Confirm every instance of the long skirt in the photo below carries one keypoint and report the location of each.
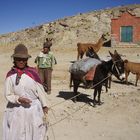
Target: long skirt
(24, 122)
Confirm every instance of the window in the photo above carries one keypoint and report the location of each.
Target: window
(126, 34)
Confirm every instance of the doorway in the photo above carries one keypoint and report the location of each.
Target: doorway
(126, 34)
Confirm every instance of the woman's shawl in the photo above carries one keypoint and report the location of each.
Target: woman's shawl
(30, 71)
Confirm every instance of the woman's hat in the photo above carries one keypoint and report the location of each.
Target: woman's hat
(21, 51)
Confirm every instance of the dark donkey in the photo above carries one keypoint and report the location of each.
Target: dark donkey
(115, 66)
(92, 54)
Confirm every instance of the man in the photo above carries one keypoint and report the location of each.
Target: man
(45, 61)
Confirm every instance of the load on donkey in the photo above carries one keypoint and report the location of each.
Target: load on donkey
(103, 68)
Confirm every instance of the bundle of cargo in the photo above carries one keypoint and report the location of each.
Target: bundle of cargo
(83, 66)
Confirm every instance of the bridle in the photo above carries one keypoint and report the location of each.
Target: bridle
(115, 66)
(91, 54)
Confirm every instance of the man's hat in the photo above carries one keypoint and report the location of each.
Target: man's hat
(21, 51)
(48, 43)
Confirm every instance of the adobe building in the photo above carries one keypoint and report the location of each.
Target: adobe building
(125, 29)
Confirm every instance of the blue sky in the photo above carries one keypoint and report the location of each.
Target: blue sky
(16, 15)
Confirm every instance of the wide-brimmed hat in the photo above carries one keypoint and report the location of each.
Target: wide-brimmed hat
(21, 51)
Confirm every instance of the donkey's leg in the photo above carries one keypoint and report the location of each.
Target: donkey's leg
(99, 95)
(109, 81)
(126, 77)
(137, 77)
(94, 96)
(71, 80)
(106, 84)
(76, 84)
(78, 55)
(81, 55)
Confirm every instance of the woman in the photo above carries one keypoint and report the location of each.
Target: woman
(23, 118)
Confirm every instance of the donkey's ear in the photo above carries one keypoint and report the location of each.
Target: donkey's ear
(115, 52)
(47, 39)
(125, 61)
(111, 54)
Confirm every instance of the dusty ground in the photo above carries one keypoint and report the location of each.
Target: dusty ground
(117, 119)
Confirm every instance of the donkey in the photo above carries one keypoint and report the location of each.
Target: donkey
(91, 53)
(83, 47)
(115, 66)
(132, 67)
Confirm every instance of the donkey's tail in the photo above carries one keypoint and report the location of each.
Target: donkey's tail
(70, 84)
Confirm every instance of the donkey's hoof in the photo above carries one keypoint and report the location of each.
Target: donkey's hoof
(100, 103)
(74, 100)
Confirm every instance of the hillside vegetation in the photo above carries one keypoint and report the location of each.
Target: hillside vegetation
(66, 32)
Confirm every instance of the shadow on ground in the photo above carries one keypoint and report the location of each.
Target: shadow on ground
(122, 82)
(70, 96)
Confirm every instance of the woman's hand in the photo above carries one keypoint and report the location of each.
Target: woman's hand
(45, 109)
(24, 100)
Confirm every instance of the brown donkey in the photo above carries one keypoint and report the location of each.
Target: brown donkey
(133, 68)
(83, 47)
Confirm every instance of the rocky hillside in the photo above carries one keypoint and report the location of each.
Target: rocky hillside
(66, 32)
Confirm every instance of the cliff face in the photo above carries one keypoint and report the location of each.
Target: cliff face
(66, 32)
